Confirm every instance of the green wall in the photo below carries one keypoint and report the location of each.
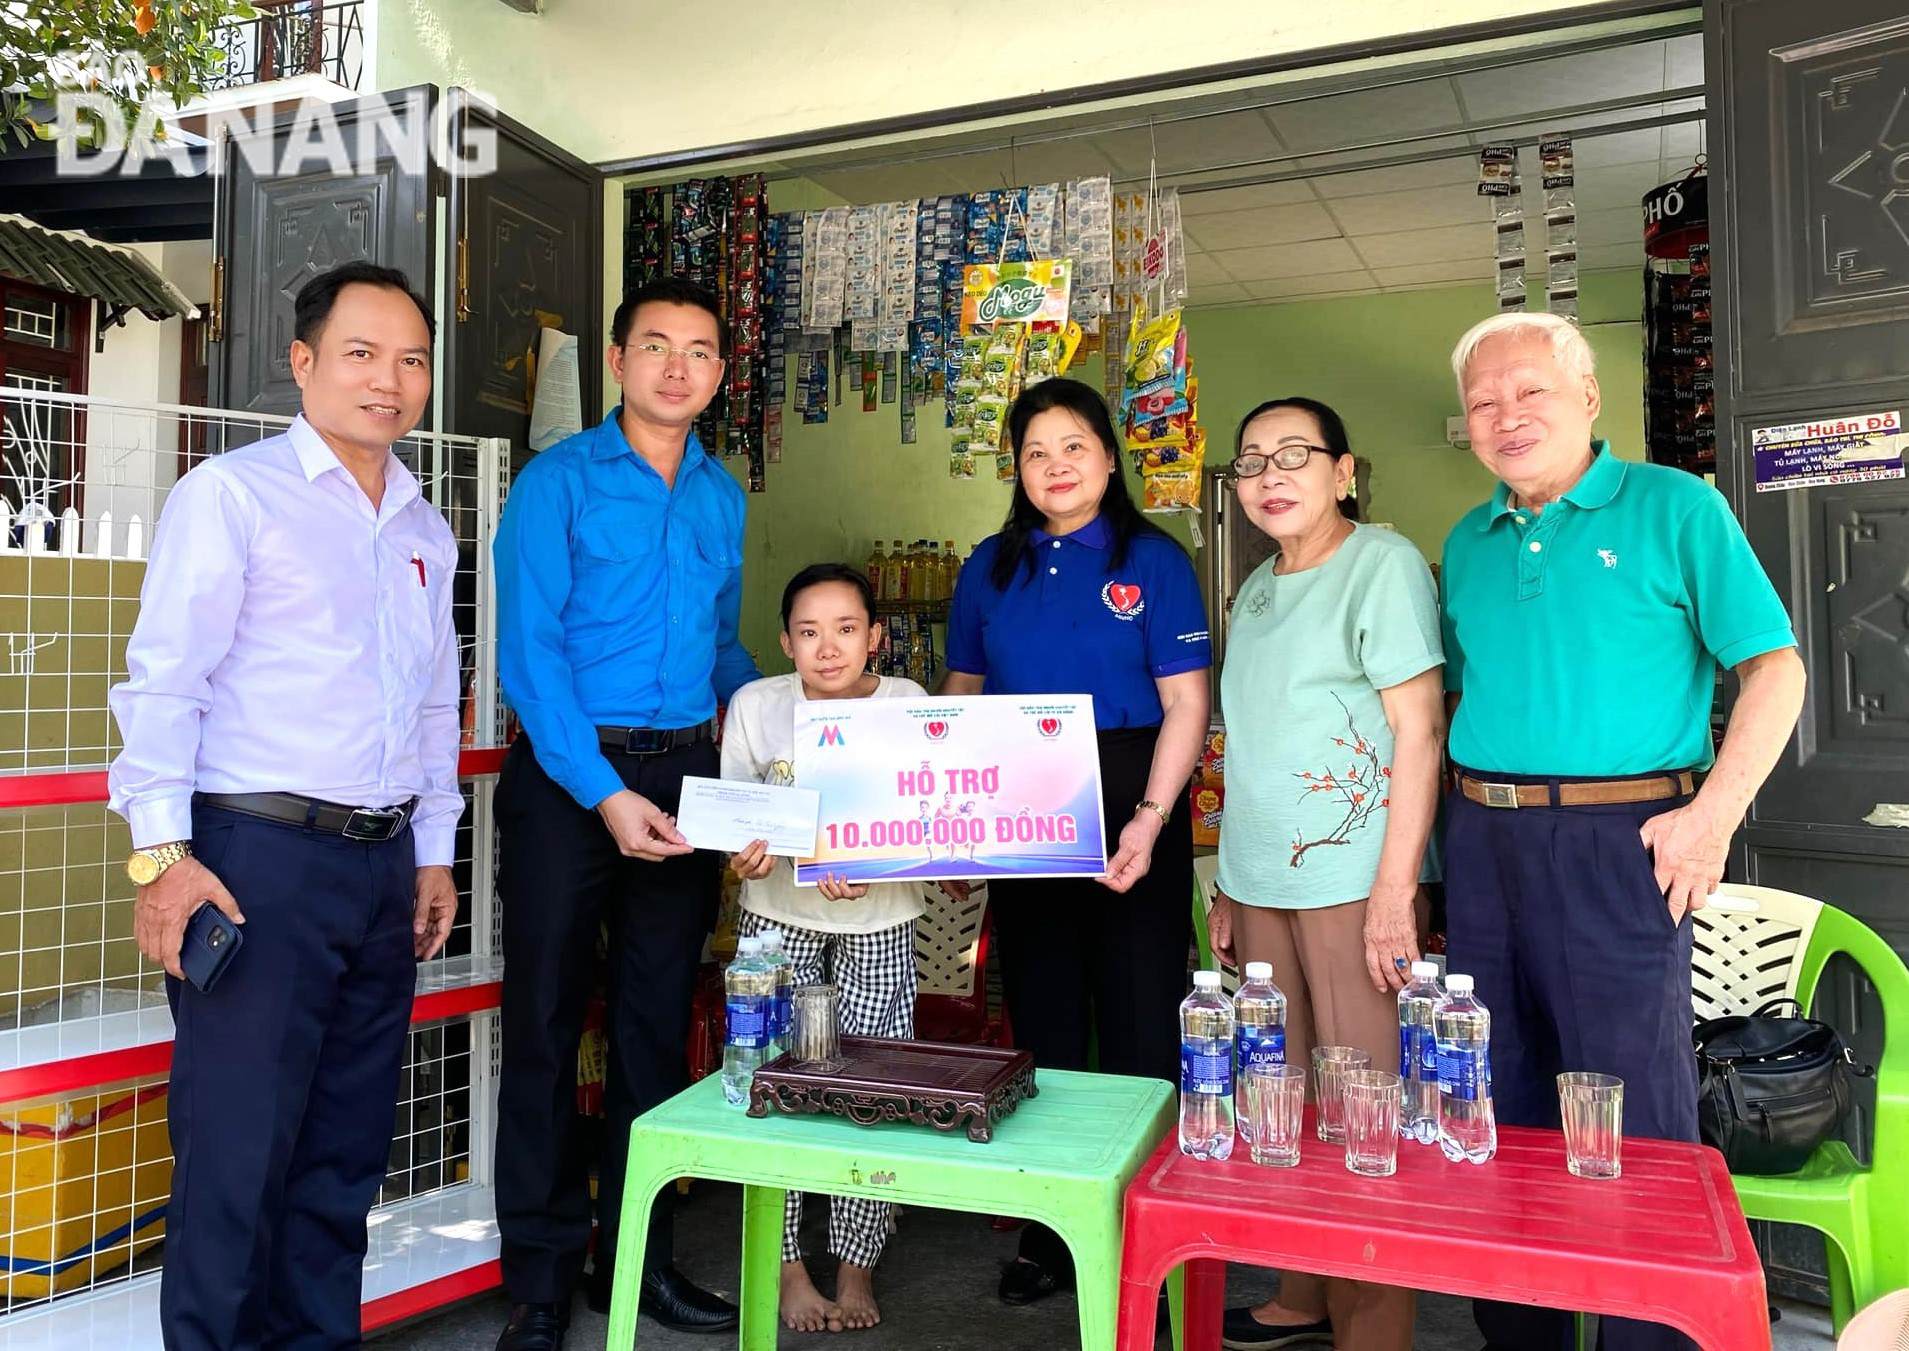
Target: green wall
(1382, 361)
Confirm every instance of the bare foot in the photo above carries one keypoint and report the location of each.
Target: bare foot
(855, 1293)
(1276, 1315)
(803, 1308)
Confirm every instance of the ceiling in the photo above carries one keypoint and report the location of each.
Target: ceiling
(1276, 204)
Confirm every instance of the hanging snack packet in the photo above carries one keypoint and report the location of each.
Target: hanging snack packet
(1497, 170)
(1511, 278)
(1044, 357)
(990, 422)
(1155, 361)
(1560, 173)
(1001, 362)
(960, 458)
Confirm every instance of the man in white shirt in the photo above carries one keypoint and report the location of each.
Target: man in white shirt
(290, 723)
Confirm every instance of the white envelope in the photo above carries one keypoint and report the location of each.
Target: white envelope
(727, 814)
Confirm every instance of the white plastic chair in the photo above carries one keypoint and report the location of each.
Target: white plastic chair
(1748, 948)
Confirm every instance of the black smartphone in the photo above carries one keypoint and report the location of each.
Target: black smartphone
(211, 942)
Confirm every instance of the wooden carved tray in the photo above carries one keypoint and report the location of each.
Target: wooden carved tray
(883, 1079)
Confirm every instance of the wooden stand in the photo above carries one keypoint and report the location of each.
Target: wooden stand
(883, 1079)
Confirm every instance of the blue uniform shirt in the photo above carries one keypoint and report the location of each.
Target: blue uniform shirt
(618, 599)
(1078, 626)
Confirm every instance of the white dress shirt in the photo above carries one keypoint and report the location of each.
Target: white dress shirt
(292, 638)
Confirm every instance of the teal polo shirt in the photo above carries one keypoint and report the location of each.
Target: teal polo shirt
(1585, 639)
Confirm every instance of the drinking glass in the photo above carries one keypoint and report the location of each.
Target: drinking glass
(1330, 1065)
(1276, 1098)
(1593, 1109)
(815, 1042)
(1372, 1122)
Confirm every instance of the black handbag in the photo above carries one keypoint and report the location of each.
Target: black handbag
(1770, 1088)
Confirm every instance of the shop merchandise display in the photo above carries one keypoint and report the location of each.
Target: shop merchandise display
(715, 232)
(974, 296)
(1499, 180)
(1559, 163)
(913, 585)
(1208, 789)
(1159, 412)
(1680, 402)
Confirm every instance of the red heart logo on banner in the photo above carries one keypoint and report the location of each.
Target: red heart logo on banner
(937, 730)
(1124, 596)
(1049, 726)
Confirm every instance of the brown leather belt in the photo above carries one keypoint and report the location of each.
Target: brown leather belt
(1595, 793)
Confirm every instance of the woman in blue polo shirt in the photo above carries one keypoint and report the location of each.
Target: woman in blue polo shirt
(1081, 594)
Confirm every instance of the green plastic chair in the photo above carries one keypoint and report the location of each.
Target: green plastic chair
(1206, 873)
(1755, 944)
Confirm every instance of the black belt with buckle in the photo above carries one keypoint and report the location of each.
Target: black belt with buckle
(654, 740)
(373, 824)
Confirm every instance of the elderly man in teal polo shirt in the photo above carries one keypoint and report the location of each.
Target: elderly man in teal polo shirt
(1588, 606)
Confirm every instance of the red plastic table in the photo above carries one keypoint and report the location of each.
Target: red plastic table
(1666, 1242)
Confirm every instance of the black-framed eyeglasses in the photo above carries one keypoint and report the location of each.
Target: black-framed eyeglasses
(660, 352)
(1252, 464)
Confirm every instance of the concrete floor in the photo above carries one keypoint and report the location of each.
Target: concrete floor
(936, 1284)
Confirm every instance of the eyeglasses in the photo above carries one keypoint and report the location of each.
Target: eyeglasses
(697, 357)
(1252, 465)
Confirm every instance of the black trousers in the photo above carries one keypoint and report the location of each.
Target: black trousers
(284, 1088)
(560, 878)
(1088, 970)
(1555, 913)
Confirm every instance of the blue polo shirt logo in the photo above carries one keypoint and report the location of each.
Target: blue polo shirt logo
(1123, 598)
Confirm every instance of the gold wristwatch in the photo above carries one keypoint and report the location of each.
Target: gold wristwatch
(1149, 805)
(146, 865)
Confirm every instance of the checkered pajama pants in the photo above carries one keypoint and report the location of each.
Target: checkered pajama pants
(874, 978)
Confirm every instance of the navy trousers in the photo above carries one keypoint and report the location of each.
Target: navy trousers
(561, 881)
(1555, 913)
(284, 1088)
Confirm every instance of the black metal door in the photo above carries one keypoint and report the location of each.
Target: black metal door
(1809, 109)
(528, 241)
(285, 215)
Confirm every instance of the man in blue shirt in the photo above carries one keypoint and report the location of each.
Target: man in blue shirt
(619, 585)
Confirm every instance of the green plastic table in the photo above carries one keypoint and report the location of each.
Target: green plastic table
(1063, 1158)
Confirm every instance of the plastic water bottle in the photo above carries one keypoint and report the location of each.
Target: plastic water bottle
(1259, 1010)
(1418, 1054)
(782, 1015)
(748, 1004)
(1206, 1070)
(1466, 1128)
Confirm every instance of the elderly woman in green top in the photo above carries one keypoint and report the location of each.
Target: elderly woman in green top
(1331, 691)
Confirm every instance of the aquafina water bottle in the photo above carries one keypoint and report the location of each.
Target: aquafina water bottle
(1466, 1128)
(748, 1004)
(1259, 1010)
(1206, 1069)
(783, 1011)
(1418, 1054)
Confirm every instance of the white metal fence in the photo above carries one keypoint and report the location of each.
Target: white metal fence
(82, 483)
